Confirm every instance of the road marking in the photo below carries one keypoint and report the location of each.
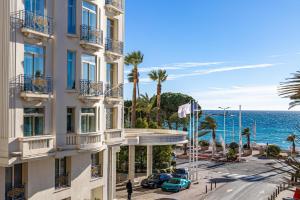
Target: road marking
(262, 192)
(229, 190)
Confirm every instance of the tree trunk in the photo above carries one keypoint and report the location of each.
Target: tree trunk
(294, 147)
(214, 142)
(133, 110)
(248, 141)
(158, 104)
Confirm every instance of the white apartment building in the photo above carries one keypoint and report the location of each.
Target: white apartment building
(61, 105)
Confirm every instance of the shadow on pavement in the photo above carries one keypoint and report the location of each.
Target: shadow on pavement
(221, 180)
(166, 199)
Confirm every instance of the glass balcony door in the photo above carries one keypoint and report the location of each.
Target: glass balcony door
(111, 73)
(34, 60)
(88, 120)
(35, 6)
(89, 21)
(88, 67)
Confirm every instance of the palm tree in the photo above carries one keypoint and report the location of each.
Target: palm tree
(146, 105)
(292, 138)
(159, 76)
(209, 125)
(291, 89)
(246, 133)
(135, 58)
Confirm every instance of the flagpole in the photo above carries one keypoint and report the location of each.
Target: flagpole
(197, 140)
(190, 135)
(240, 132)
(193, 139)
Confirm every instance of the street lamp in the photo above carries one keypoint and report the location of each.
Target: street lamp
(224, 109)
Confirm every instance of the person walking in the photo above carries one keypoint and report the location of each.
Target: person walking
(129, 189)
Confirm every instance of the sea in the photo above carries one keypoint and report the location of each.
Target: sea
(271, 127)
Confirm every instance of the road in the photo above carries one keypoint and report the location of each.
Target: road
(253, 179)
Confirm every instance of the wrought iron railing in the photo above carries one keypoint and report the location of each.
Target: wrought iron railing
(35, 84)
(33, 21)
(114, 46)
(96, 171)
(114, 91)
(91, 88)
(91, 34)
(16, 193)
(62, 181)
(116, 3)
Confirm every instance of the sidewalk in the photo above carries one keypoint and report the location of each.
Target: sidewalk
(286, 193)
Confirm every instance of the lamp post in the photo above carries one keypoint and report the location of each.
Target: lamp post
(224, 109)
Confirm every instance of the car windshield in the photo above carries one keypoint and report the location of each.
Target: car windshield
(153, 176)
(174, 181)
(180, 171)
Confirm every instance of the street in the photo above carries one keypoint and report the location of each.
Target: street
(254, 179)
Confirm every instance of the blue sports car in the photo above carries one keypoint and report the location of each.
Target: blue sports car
(176, 184)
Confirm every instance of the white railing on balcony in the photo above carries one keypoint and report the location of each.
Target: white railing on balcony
(36, 146)
(84, 141)
(112, 136)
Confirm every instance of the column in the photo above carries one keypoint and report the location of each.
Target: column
(149, 159)
(112, 171)
(131, 162)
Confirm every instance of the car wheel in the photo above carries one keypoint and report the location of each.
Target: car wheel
(155, 186)
(188, 186)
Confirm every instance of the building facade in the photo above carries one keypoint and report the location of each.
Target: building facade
(61, 81)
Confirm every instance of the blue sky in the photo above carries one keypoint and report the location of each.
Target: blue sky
(221, 52)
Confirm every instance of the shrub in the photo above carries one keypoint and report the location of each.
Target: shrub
(153, 125)
(204, 143)
(141, 123)
(233, 145)
(231, 155)
(273, 150)
(245, 146)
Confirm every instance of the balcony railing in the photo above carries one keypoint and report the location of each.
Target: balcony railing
(115, 3)
(91, 34)
(112, 91)
(36, 146)
(91, 88)
(114, 46)
(113, 136)
(16, 193)
(35, 84)
(96, 171)
(62, 181)
(84, 141)
(33, 21)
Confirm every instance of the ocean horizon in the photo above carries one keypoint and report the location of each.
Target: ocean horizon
(272, 127)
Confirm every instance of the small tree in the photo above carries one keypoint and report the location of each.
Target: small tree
(246, 133)
(292, 138)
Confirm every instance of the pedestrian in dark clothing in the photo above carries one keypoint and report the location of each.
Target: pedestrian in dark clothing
(129, 189)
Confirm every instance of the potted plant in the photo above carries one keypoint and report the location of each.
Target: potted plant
(204, 144)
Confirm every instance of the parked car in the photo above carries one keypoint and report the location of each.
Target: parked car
(155, 180)
(181, 173)
(176, 184)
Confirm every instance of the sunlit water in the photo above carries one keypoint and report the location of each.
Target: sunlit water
(272, 127)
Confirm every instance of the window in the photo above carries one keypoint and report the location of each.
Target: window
(70, 120)
(96, 167)
(110, 118)
(72, 16)
(88, 120)
(111, 74)
(110, 29)
(89, 14)
(61, 175)
(71, 72)
(88, 67)
(33, 121)
(34, 60)
(35, 6)
(13, 179)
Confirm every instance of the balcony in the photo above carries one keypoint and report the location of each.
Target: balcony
(33, 25)
(84, 141)
(114, 93)
(91, 38)
(114, 7)
(62, 181)
(113, 136)
(96, 171)
(36, 146)
(17, 193)
(90, 90)
(114, 49)
(35, 87)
